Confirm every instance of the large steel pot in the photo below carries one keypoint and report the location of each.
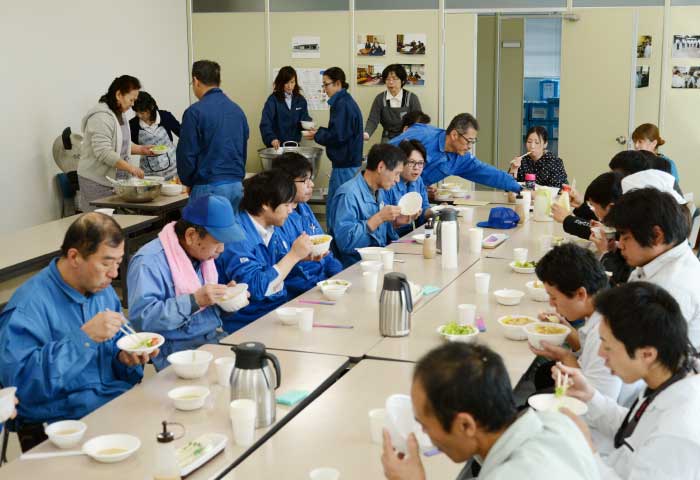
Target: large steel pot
(313, 154)
(137, 192)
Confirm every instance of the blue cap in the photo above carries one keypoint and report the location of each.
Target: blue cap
(501, 218)
(215, 214)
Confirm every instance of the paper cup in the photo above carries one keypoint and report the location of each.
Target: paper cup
(376, 424)
(481, 281)
(243, 412)
(545, 243)
(224, 367)
(475, 236)
(306, 319)
(520, 254)
(369, 279)
(388, 259)
(468, 215)
(466, 313)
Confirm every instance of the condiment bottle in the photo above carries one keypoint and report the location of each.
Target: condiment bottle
(429, 242)
(166, 467)
(530, 181)
(564, 200)
(520, 208)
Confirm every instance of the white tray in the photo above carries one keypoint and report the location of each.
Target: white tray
(212, 444)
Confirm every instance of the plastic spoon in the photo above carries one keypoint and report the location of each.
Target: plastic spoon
(39, 456)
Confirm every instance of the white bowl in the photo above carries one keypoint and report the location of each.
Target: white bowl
(508, 296)
(154, 178)
(334, 282)
(410, 203)
(307, 125)
(7, 402)
(66, 434)
(318, 249)
(419, 238)
(189, 398)
(371, 265)
(105, 211)
(459, 193)
(521, 269)
(538, 294)
(288, 315)
(534, 338)
(468, 338)
(443, 197)
(111, 448)
(236, 297)
(544, 402)
(514, 332)
(333, 293)
(370, 253)
(190, 364)
(128, 342)
(400, 422)
(171, 189)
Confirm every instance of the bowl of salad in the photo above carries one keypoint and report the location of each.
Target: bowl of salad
(142, 342)
(527, 266)
(455, 332)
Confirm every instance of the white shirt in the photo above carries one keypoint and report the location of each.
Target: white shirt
(666, 441)
(288, 99)
(266, 234)
(678, 271)
(151, 128)
(394, 101)
(544, 445)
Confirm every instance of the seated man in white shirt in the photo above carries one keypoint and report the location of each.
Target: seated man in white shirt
(463, 399)
(653, 229)
(644, 336)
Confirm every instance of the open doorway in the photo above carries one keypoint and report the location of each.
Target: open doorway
(518, 74)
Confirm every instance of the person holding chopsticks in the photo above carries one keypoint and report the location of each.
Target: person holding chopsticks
(547, 167)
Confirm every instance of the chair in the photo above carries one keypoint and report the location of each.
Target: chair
(68, 191)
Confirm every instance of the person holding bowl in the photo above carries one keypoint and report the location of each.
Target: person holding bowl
(284, 111)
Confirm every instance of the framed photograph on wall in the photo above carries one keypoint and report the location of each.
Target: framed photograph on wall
(644, 46)
(642, 76)
(416, 73)
(686, 77)
(369, 75)
(371, 45)
(686, 46)
(306, 47)
(410, 43)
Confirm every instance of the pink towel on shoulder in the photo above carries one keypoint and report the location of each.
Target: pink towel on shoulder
(184, 276)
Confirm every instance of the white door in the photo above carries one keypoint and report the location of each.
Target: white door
(595, 90)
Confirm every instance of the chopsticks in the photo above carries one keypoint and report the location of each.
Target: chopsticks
(326, 325)
(316, 302)
(521, 156)
(127, 330)
(561, 384)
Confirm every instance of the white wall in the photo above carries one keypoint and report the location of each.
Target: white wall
(58, 58)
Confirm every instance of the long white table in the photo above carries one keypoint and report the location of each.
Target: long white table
(334, 431)
(140, 410)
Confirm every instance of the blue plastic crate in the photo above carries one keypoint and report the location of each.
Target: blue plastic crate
(537, 111)
(549, 89)
(553, 106)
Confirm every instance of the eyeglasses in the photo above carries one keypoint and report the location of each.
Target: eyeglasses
(305, 181)
(470, 141)
(413, 164)
(326, 85)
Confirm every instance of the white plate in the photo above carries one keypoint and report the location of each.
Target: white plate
(545, 402)
(127, 342)
(521, 269)
(410, 203)
(213, 443)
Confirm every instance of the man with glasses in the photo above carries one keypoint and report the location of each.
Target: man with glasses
(410, 181)
(449, 152)
(300, 221)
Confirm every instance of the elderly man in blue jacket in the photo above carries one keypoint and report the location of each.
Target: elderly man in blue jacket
(361, 213)
(306, 273)
(212, 150)
(449, 153)
(267, 201)
(59, 332)
(173, 281)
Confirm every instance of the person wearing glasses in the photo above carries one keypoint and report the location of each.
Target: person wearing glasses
(301, 220)
(547, 167)
(449, 152)
(343, 137)
(410, 181)
(391, 106)
(644, 336)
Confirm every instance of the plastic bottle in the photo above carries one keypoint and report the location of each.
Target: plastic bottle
(521, 209)
(429, 242)
(530, 181)
(564, 201)
(449, 244)
(166, 467)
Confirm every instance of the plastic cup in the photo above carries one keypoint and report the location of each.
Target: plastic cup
(475, 236)
(545, 243)
(224, 367)
(520, 254)
(466, 313)
(106, 211)
(369, 279)
(242, 412)
(388, 259)
(7, 402)
(377, 420)
(482, 283)
(324, 473)
(527, 196)
(306, 319)
(468, 215)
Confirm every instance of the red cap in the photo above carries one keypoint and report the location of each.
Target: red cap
(565, 188)
(530, 176)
